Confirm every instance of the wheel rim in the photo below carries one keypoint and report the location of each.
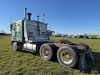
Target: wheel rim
(15, 46)
(45, 52)
(66, 56)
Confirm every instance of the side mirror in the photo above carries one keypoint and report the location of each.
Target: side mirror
(10, 27)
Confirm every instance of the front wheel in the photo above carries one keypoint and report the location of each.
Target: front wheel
(67, 56)
(16, 46)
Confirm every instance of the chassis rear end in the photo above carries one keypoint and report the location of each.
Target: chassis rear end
(68, 54)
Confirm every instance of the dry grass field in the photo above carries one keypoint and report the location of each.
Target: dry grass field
(25, 63)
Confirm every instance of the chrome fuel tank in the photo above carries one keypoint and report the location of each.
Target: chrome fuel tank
(29, 46)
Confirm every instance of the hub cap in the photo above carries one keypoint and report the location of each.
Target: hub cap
(66, 57)
(45, 52)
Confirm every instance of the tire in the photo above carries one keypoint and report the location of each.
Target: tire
(46, 52)
(67, 56)
(16, 46)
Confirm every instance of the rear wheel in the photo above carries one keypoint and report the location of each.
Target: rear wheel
(67, 56)
(46, 52)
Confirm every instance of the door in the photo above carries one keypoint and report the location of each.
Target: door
(13, 31)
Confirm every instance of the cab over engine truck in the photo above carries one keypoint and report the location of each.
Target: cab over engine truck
(31, 35)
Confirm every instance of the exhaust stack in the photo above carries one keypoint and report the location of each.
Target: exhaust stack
(29, 16)
(38, 18)
(25, 13)
(38, 28)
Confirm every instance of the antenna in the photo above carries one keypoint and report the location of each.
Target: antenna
(43, 18)
(10, 19)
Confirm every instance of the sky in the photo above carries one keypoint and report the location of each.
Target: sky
(62, 16)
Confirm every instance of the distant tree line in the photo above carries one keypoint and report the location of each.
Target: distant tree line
(2, 32)
(78, 36)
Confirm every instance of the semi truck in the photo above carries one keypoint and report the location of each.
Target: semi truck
(31, 35)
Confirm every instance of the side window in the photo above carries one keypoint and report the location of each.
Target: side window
(18, 27)
(13, 27)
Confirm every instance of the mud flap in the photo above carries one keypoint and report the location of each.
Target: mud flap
(82, 62)
(90, 55)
